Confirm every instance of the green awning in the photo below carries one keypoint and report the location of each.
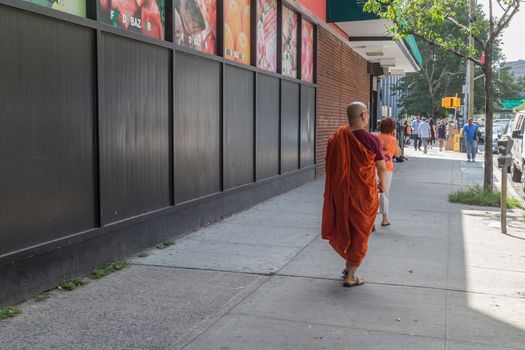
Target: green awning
(340, 11)
(347, 10)
(410, 41)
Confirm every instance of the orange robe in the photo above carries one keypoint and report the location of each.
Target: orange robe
(351, 196)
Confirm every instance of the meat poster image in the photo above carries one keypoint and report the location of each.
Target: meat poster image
(196, 24)
(267, 34)
(74, 7)
(307, 52)
(289, 43)
(237, 30)
(141, 16)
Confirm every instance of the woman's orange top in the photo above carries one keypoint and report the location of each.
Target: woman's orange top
(389, 148)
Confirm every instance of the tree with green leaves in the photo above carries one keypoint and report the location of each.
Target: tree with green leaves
(425, 18)
(442, 74)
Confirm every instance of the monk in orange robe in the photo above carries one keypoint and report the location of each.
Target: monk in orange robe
(351, 198)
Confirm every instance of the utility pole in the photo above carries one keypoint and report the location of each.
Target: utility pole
(470, 67)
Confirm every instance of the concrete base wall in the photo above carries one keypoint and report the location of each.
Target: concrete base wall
(24, 278)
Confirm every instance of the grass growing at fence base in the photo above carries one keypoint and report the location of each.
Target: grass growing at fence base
(476, 195)
(8, 312)
(165, 245)
(109, 268)
(73, 284)
(41, 297)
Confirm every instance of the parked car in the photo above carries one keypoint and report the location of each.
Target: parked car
(518, 154)
(498, 130)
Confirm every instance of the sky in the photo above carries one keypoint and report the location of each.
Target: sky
(513, 43)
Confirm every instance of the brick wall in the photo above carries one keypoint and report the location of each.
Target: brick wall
(341, 79)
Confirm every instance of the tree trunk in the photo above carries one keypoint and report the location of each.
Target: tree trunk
(489, 109)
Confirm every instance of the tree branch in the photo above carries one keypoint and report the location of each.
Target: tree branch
(505, 19)
(457, 53)
(464, 27)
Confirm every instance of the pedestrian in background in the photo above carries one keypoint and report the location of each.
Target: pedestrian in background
(351, 199)
(407, 132)
(433, 132)
(415, 132)
(442, 134)
(424, 133)
(391, 149)
(470, 131)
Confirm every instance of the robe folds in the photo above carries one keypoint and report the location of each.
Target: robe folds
(351, 196)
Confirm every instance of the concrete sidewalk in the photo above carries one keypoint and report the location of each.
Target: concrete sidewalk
(441, 277)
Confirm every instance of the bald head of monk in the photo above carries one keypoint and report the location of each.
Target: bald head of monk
(357, 114)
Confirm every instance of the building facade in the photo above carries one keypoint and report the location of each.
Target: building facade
(125, 125)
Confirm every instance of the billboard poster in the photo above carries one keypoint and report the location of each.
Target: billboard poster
(140, 16)
(307, 52)
(196, 24)
(289, 43)
(237, 30)
(74, 7)
(267, 35)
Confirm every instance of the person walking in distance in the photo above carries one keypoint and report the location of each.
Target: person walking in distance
(415, 131)
(353, 157)
(391, 148)
(424, 133)
(442, 134)
(469, 131)
(433, 132)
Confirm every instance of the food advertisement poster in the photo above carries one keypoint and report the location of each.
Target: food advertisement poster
(74, 7)
(140, 16)
(289, 43)
(307, 52)
(196, 24)
(237, 30)
(267, 35)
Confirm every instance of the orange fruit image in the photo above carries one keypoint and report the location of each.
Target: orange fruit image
(246, 21)
(243, 48)
(232, 18)
(229, 45)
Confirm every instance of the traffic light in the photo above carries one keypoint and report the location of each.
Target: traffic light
(450, 102)
(504, 152)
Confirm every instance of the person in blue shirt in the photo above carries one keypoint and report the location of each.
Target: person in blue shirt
(415, 133)
(469, 131)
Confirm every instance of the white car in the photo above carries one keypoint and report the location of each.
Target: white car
(518, 154)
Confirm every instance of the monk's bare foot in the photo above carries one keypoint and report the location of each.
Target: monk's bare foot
(352, 281)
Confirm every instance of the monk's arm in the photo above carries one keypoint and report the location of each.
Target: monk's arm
(381, 173)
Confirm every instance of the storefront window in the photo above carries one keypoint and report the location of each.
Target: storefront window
(289, 43)
(237, 30)
(196, 24)
(74, 7)
(145, 17)
(267, 34)
(307, 52)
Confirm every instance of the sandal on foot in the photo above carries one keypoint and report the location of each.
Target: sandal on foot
(344, 273)
(358, 282)
(387, 224)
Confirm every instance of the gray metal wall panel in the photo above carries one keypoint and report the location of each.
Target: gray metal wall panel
(135, 129)
(197, 127)
(307, 125)
(238, 127)
(289, 126)
(267, 138)
(47, 177)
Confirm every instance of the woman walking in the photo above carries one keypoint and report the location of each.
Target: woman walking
(442, 134)
(433, 132)
(387, 130)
